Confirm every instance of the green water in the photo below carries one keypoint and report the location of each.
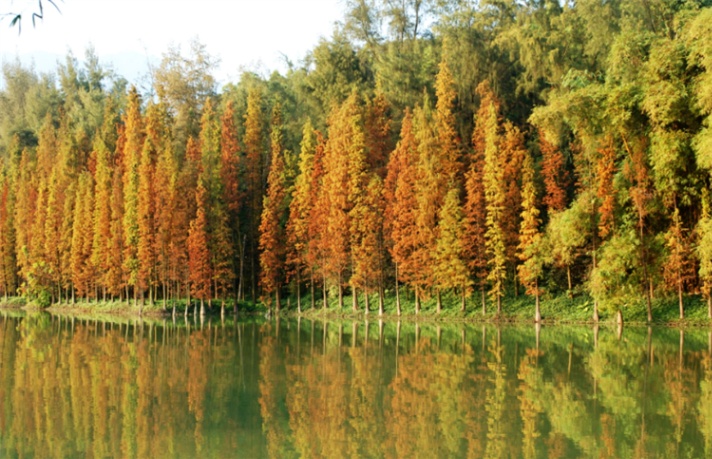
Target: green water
(310, 389)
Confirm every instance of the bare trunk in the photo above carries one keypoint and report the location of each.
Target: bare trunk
(537, 312)
(367, 303)
(417, 301)
(570, 292)
(439, 302)
(299, 293)
(380, 301)
(679, 298)
(278, 300)
(241, 283)
(312, 288)
(325, 303)
(341, 294)
(398, 304)
(354, 299)
(484, 300)
(464, 301)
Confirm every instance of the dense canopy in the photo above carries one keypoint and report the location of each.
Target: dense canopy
(427, 146)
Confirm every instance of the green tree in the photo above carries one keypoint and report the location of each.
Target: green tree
(451, 271)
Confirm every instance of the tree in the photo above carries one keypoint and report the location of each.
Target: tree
(344, 162)
(494, 194)
(299, 211)
(529, 250)
(448, 141)
(272, 237)
(429, 198)
(641, 195)
(554, 173)
(318, 209)
(183, 83)
(377, 127)
(513, 155)
(104, 147)
(568, 232)
(82, 237)
(198, 251)
(451, 271)
(146, 205)
(254, 161)
(132, 147)
(678, 267)
(231, 165)
(401, 205)
(7, 240)
(367, 247)
(606, 169)
(166, 178)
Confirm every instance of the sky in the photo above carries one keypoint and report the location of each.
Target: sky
(131, 34)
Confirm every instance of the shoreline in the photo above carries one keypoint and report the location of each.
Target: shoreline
(511, 316)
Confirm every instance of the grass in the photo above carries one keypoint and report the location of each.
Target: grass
(515, 309)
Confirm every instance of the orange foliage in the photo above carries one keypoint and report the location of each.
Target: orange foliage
(605, 169)
(555, 178)
(198, 253)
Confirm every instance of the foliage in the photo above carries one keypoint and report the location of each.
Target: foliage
(427, 145)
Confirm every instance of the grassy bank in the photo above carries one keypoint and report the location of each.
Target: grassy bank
(515, 309)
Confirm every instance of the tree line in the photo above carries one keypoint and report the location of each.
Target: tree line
(483, 149)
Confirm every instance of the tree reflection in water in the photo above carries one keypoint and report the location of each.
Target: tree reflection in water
(328, 389)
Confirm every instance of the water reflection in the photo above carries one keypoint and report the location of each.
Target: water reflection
(306, 388)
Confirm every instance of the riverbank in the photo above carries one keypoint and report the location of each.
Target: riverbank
(554, 310)
(559, 309)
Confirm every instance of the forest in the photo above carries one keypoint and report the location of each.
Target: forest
(458, 152)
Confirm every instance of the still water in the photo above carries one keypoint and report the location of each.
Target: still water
(72, 388)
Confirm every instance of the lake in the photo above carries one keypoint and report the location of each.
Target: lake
(78, 388)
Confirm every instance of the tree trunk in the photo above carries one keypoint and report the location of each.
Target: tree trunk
(202, 308)
(354, 299)
(367, 303)
(299, 293)
(439, 302)
(709, 305)
(679, 298)
(464, 301)
(570, 293)
(325, 303)
(311, 287)
(241, 282)
(484, 300)
(278, 300)
(417, 302)
(380, 301)
(341, 294)
(499, 306)
(537, 312)
(398, 304)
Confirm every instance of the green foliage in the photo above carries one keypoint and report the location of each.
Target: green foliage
(612, 100)
(615, 281)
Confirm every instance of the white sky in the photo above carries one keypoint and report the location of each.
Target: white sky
(243, 34)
